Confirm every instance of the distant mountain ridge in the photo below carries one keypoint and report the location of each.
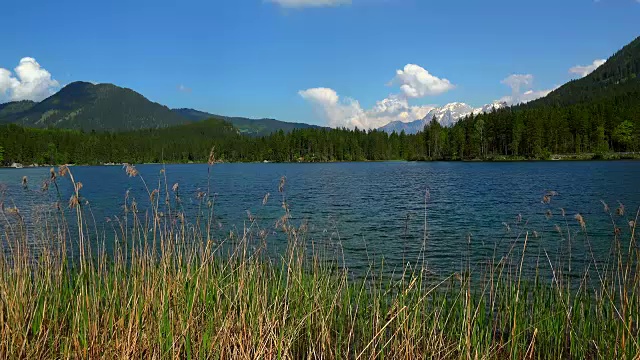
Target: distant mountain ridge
(9, 111)
(107, 107)
(446, 115)
(253, 127)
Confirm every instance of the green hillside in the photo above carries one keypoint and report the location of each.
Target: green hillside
(180, 143)
(194, 115)
(253, 127)
(619, 76)
(597, 114)
(11, 110)
(106, 107)
(85, 106)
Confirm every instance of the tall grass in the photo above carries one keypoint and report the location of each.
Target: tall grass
(169, 288)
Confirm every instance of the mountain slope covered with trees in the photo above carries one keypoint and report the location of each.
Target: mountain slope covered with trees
(85, 106)
(253, 127)
(596, 114)
(106, 107)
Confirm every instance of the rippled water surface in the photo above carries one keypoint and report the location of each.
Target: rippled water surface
(373, 210)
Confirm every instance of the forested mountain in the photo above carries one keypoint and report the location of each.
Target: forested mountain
(194, 115)
(106, 107)
(85, 106)
(253, 127)
(619, 76)
(596, 114)
(9, 111)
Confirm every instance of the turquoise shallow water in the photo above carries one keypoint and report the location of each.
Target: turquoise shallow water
(374, 210)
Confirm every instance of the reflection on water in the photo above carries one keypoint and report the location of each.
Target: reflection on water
(367, 211)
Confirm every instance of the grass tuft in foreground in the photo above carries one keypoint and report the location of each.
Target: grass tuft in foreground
(170, 289)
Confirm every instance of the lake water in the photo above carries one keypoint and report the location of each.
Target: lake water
(377, 210)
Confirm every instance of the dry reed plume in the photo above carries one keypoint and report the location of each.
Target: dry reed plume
(169, 288)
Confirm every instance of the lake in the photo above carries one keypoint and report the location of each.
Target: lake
(377, 210)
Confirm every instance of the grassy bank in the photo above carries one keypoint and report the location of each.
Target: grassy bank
(171, 289)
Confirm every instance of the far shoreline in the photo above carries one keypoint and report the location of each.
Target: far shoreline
(552, 158)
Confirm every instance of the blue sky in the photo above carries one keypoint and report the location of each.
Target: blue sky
(312, 63)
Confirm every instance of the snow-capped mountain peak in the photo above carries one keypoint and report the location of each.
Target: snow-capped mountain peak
(490, 107)
(446, 115)
(449, 114)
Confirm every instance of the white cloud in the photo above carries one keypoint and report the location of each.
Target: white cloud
(535, 94)
(518, 81)
(6, 82)
(395, 108)
(348, 113)
(184, 89)
(337, 113)
(32, 82)
(525, 97)
(320, 95)
(309, 3)
(416, 82)
(587, 69)
(521, 92)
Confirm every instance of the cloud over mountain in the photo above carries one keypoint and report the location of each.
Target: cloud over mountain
(348, 113)
(584, 70)
(521, 91)
(518, 81)
(414, 82)
(338, 113)
(31, 82)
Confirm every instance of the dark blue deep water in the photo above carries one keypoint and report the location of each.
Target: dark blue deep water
(377, 210)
